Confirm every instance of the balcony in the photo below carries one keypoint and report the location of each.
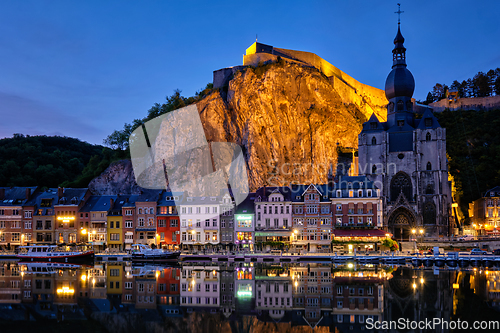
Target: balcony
(98, 230)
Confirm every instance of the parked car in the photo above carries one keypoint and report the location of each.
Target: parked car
(466, 238)
(496, 252)
(478, 251)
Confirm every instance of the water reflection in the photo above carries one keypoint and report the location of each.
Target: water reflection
(243, 296)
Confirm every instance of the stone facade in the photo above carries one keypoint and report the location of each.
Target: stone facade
(406, 158)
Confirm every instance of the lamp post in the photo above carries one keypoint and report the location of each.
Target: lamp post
(413, 232)
(421, 231)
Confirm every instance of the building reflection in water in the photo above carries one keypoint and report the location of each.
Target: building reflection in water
(228, 295)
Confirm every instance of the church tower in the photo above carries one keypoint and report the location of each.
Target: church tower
(405, 157)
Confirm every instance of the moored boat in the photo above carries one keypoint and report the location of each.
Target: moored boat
(55, 253)
(142, 252)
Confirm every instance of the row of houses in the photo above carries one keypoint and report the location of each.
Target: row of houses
(297, 217)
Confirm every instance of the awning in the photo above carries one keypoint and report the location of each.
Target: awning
(273, 233)
(359, 233)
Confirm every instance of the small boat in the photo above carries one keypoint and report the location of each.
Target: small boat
(55, 253)
(440, 260)
(37, 267)
(142, 252)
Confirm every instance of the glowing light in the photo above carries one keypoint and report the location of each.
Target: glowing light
(454, 205)
(456, 286)
(422, 280)
(83, 277)
(295, 231)
(387, 235)
(413, 231)
(421, 231)
(350, 265)
(414, 285)
(157, 235)
(296, 283)
(244, 294)
(193, 232)
(84, 231)
(65, 290)
(157, 274)
(94, 232)
(65, 219)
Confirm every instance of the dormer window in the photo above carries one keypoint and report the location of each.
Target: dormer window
(339, 194)
(373, 125)
(428, 122)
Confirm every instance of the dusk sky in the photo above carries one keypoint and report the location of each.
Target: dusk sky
(84, 68)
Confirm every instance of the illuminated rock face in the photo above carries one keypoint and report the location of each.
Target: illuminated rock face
(288, 118)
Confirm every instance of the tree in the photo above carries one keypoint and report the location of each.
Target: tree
(429, 99)
(438, 92)
(481, 84)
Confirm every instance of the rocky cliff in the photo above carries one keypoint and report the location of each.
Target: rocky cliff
(288, 118)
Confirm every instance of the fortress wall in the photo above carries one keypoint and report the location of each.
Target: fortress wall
(254, 59)
(222, 76)
(487, 103)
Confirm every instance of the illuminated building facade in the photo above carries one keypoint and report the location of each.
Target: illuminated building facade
(406, 158)
(168, 224)
(11, 214)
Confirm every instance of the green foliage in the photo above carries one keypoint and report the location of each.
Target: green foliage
(390, 244)
(473, 147)
(48, 160)
(119, 139)
(481, 85)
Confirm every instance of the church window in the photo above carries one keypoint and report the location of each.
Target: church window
(401, 123)
(428, 137)
(408, 105)
(429, 189)
(373, 125)
(401, 105)
(428, 122)
(401, 182)
(429, 213)
(374, 169)
(374, 141)
(429, 166)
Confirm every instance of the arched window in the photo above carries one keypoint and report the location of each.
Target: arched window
(140, 210)
(391, 107)
(401, 105)
(429, 189)
(374, 169)
(429, 166)
(401, 182)
(429, 213)
(428, 137)
(374, 141)
(408, 106)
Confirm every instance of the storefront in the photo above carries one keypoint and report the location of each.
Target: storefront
(356, 240)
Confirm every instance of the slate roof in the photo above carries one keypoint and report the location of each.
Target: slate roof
(98, 203)
(70, 193)
(15, 196)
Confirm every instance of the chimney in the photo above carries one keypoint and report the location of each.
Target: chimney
(28, 193)
(111, 203)
(2, 193)
(60, 192)
(126, 200)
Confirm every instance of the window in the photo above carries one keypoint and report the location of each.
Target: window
(162, 223)
(214, 209)
(128, 224)
(28, 214)
(374, 141)
(111, 224)
(174, 223)
(128, 285)
(373, 125)
(114, 237)
(400, 106)
(429, 166)
(15, 237)
(428, 137)
(141, 222)
(207, 223)
(27, 224)
(428, 122)
(401, 123)
(117, 224)
(214, 222)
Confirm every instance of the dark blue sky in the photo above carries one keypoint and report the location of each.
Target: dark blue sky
(84, 68)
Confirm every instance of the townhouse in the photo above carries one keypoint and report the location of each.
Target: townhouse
(356, 207)
(244, 227)
(273, 209)
(200, 286)
(199, 220)
(39, 217)
(145, 227)
(312, 218)
(12, 200)
(227, 207)
(168, 226)
(115, 239)
(129, 221)
(69, 202)
(97, 207)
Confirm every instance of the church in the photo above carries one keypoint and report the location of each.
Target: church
(405, 157)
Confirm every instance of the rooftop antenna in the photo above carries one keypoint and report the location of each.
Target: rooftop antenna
(399, 13)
